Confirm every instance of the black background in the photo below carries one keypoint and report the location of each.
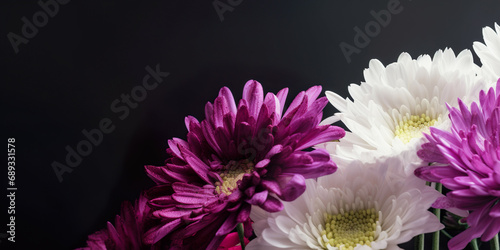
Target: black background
(66, 77)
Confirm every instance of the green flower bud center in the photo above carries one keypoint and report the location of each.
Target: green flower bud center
(347, 230)
(413, 127)
(231, 176)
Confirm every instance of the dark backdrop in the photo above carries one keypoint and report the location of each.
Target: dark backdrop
(86, 54)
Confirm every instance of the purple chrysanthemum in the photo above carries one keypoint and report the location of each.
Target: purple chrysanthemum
(468, 163)
(128, 231)
(239, 156)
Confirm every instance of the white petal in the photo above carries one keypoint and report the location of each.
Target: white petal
(402, 89)
(402, 202)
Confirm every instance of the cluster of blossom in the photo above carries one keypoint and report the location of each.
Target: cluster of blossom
(289, 179)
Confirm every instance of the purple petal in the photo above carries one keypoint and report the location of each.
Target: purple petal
(313, 92)
(191, 121)
(272, 205)
(309, 164)
(157, 174)
(209, 134)
(263, 120)
(491, 230)
(495, 211)
(235, 196)
(181, 187)
(228, 97)
(444, 138)
(299, 100)
(430, 152)
(209, 113)
(292, 186)
(176, 145)
(273, 106)
(163, 202)
(194, 198)
(254, 95)
(262, 163)
(301, 125)
(157, 233)
(228, 225)
(443, 203)
(250, 191)
(199, 167)
(276, 149)
(171, 213)
(298, 111)
(319, 135)
(240, 130)
(113, 234)
(222, 138)
(452, 184)
(196, 226)
(181, 176)
(229, 120)
(452, 157)
(282, 99)
(316, 106)
(258, 198)
(272, 186)
(469, 201)
(244, 214)
(428, 173)
(195, 142)
(188, 206)
(461, 240)
(220, 109)
(466, 115)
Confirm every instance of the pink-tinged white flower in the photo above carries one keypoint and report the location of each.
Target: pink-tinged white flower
(395, 104)
(241, 155)
(128, 231)
(489, 53)
(467, 161)
(359, 207)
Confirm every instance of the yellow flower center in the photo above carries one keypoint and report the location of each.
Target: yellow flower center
(347, 230)
(232, 174)
(413, 127)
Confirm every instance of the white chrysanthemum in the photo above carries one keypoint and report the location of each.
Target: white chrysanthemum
(397, 103)
(358, 207)
(489, 53)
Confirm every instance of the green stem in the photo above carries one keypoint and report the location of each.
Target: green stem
(421, 238)
(494, 245)
(446, 233)
(419, 242)
(473, 244)
(437, 212)
(241, 234)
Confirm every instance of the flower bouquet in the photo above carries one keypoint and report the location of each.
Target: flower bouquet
(421, 155)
